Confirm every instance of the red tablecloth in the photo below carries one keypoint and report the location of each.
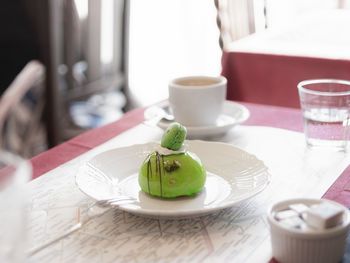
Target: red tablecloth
(272, 116)
(272, 79)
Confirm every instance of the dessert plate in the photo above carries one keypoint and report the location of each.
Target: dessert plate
(233, 175)
(232, 114)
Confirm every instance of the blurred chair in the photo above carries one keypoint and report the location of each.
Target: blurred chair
(21, 109)
(84, 47)
(235, 20)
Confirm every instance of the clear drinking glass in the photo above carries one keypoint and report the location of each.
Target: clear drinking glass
(14, 173)
(325, 104)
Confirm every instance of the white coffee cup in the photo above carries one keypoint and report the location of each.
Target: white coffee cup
(197, 100)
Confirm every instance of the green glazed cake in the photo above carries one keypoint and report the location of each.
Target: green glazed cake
(173, 172)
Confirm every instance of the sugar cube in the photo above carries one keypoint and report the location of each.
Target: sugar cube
(324, 216)
(299, 208)
(285, 214)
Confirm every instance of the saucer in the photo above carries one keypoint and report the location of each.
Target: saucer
(232, 114)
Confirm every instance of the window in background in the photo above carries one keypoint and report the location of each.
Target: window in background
(282, 12)
(168, 39)
(318, 28)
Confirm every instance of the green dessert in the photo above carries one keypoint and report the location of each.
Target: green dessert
(170, 171)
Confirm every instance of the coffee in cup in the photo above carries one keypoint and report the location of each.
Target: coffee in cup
(197, 100)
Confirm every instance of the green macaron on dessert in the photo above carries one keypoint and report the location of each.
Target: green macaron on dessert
(174, 136)
(171, 171)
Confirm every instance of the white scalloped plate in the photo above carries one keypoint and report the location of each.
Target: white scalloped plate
(233, 175)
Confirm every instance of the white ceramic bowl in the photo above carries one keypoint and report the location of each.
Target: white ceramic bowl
(291, 245)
